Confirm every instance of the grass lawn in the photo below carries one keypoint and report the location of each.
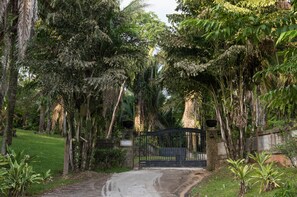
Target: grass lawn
(222, 184)
(48, 152)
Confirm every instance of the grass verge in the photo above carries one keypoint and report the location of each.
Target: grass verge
(222, 184)
(48, 153)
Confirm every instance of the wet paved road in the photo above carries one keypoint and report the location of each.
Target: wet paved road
(141, 183)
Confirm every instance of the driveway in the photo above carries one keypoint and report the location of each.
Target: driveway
(141, 183)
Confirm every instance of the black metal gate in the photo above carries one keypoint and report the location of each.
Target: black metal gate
(184, 147)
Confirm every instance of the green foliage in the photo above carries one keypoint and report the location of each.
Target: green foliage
(265, 173)
(242, 172)
(282, 95)
(221, 184)
(288, 190)
(49, 154)
(26, 110)
(109, 158)
(287, 36)
(211, 51)
(289, 148)
(17, 174)
(81, 50)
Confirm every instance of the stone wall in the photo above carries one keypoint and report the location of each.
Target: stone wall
(266, 142)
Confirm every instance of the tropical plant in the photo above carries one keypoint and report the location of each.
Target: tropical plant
(86, 52)
(210, 49)
(146, 88)
(282, 93)
(17, 175)
(241, 172)
(265, 173)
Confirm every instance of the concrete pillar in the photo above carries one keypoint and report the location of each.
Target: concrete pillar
(127, 145)
(212, 148)
(129, 161)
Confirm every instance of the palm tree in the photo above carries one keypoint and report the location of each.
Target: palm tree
(17, 19)
(211, 47)
(85, 49)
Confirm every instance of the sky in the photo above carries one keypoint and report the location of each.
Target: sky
(160, 7)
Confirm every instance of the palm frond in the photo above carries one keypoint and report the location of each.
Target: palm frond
(25, 23)
(3, 7)
(191, 68)
(134, 7)
(35, 11)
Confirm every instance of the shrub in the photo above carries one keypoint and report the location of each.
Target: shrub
(110, 158)
(289, 148)
(241, 172)
(17, 175)
(265, 173)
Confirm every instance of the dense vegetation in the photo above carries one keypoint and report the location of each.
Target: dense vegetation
(83, 69)
(235, 53)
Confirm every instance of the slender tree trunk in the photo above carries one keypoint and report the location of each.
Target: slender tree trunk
(13, 77)
(139, 114)
(4, 67)
(8, 132)
(115, 110)
(70, 136)
(67, 149)
(241, 114)
(12, 90)
(93, 140)
(222, 123)
(86, 140)
(61, 118)
(42, 118)
(48, 120)
(66, 155)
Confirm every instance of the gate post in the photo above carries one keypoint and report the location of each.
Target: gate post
(211, 147)
(127, 145)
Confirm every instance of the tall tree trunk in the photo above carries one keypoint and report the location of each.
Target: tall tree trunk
(188, 119)
(68, 159)
(222, 123)
(66, 152)
(12, 90)
(12, 85)
(42, 118)
(115, 110)
(4, 67)
(243, 123)
(139, 114)
(48, 119)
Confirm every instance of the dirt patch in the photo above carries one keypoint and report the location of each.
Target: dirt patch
(193, 180)
(89, 185)
(179, 182)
